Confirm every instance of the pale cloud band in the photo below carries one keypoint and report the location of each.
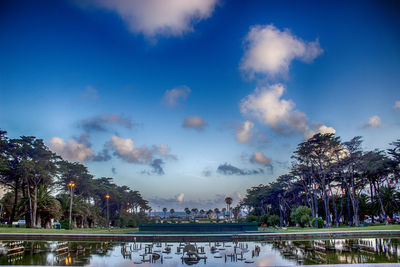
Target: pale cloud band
(244, 132)
(194, 122)
(176, 95)
(158, 17)
(126, 149)
(102, 122)
(71, 150)
(259, 158)
(397, 105)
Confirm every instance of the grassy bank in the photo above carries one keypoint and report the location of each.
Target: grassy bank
(73, 231)
(333, 229)
(131, 230)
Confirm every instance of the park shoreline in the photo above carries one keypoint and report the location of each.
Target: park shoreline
(200, 237)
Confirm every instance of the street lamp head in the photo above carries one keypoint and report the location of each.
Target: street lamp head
(107, 196)
(71, 184)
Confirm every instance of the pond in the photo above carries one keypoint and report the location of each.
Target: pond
(271, 252)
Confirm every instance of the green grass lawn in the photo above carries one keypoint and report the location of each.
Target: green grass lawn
(74, 231)
(333, 229)
(131, 230)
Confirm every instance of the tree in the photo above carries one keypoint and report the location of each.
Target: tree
(228, 201)
(236, 211)
(223, 210)
(195, 211)
(209, 212)
(11, 169)
(187, 210)
(217, 212)
(165, 212)
(301, 215)
(353, 181)
(377, 167)
(171, 211)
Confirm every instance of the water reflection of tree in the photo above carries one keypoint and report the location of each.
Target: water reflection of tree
(338, 251)
(48, 253)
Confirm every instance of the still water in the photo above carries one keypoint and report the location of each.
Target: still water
(268, 253)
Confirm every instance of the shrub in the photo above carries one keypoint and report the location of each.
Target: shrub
(274, 220)
(301, 215)
(264, 218)
(317, 223)
(251, 218)
(65, 224)
(132, 223)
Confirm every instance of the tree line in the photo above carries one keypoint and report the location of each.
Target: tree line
(338, 181)
(38, 189)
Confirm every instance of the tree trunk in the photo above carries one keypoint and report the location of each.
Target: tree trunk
(372, 201)
(38, 221)
(349, 219)
(34, 222)
(30, 203)
(334, 207)
(27, 215)
(354, 200)
(326, 203)
(378, 193)
(14, 208)
(310, 201)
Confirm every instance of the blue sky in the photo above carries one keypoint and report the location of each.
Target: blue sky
(197, 99)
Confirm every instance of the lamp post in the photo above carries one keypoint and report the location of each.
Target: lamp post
(71, 186)
(108, 222)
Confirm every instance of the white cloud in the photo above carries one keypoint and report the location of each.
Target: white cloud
(180, 197)
(266, 105)
(260, 158)
(125, 148)
(270, 51)
(159, 17)
(374, 122)
(72, 150)
(320, 128)
(397, 105)
(194, 122)
(243, 132)
(172, 97)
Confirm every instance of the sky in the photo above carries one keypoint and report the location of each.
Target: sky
(188, 101)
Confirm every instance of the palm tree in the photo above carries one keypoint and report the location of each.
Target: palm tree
(216, 210)
(195, 211)
(187, 210)
(228, 201)
(202, 211)
(165, 212)
(171, 211)
(209, 212)
(236, 212)
(223, 212)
